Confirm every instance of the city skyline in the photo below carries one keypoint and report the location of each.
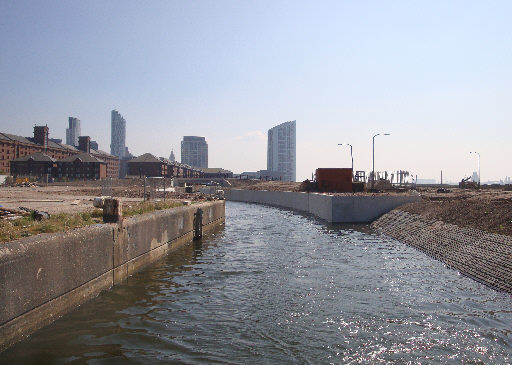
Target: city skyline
(429, 180)
(346, 71)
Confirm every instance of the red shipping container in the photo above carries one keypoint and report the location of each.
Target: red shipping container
(334, 180)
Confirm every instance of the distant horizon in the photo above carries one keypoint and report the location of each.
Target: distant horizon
(438, 180)
(229, 71)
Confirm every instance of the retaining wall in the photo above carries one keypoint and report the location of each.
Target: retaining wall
(334, 209)
(45, 276)
(485, 257)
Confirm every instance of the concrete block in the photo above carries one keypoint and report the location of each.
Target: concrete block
(112, 210)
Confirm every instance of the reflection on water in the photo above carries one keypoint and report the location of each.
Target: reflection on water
(279, 287)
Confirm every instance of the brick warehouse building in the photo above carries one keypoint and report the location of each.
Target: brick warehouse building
(150, 165)
(13, 147)
(83, 166)
(37, 164)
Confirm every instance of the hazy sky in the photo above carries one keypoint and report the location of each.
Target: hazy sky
(437, 75)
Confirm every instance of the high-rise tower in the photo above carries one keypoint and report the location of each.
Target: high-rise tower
(282, 151)
(118, 135)
(73, 132)
(194, 151)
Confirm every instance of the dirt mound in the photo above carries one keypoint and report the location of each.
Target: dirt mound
(488, 210)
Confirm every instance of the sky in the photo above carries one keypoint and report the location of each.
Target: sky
(435, 75)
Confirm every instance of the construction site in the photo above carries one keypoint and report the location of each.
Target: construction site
(488, 208)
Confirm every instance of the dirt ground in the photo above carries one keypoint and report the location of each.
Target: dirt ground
(264, 185)
(48, 199)
(77, 196)
(287, 186)
(487, 210)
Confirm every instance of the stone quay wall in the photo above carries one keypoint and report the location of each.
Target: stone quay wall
(332, 208)
(45, 276)
(485, 257)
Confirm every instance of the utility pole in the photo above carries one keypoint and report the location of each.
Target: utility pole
(351, 155)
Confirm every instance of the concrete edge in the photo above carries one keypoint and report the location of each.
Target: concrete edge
(331, 208)
(26, 324)
(34, 319)
(122, 272)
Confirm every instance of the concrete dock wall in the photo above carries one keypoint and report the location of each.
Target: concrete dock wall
(285, 199)
(335, 209)
(320, 205)
(485, 257)
(45, 276)
(366, 208)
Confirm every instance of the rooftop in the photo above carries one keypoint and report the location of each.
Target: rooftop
(84, 157)
(51, 144)
(215, 170)
(38, 156)
(147, 157)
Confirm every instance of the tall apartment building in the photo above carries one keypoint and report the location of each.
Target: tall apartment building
(282, 151)
(73, 132)
(194, 151)
(118, 135)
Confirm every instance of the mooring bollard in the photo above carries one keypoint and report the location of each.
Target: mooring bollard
(112, 210)
(198, 224)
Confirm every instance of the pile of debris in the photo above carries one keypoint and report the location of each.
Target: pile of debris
(27, 184)
(11, 214)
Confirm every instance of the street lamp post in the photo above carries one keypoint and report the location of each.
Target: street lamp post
(478, 167)
(373, 154)
(351, 156)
